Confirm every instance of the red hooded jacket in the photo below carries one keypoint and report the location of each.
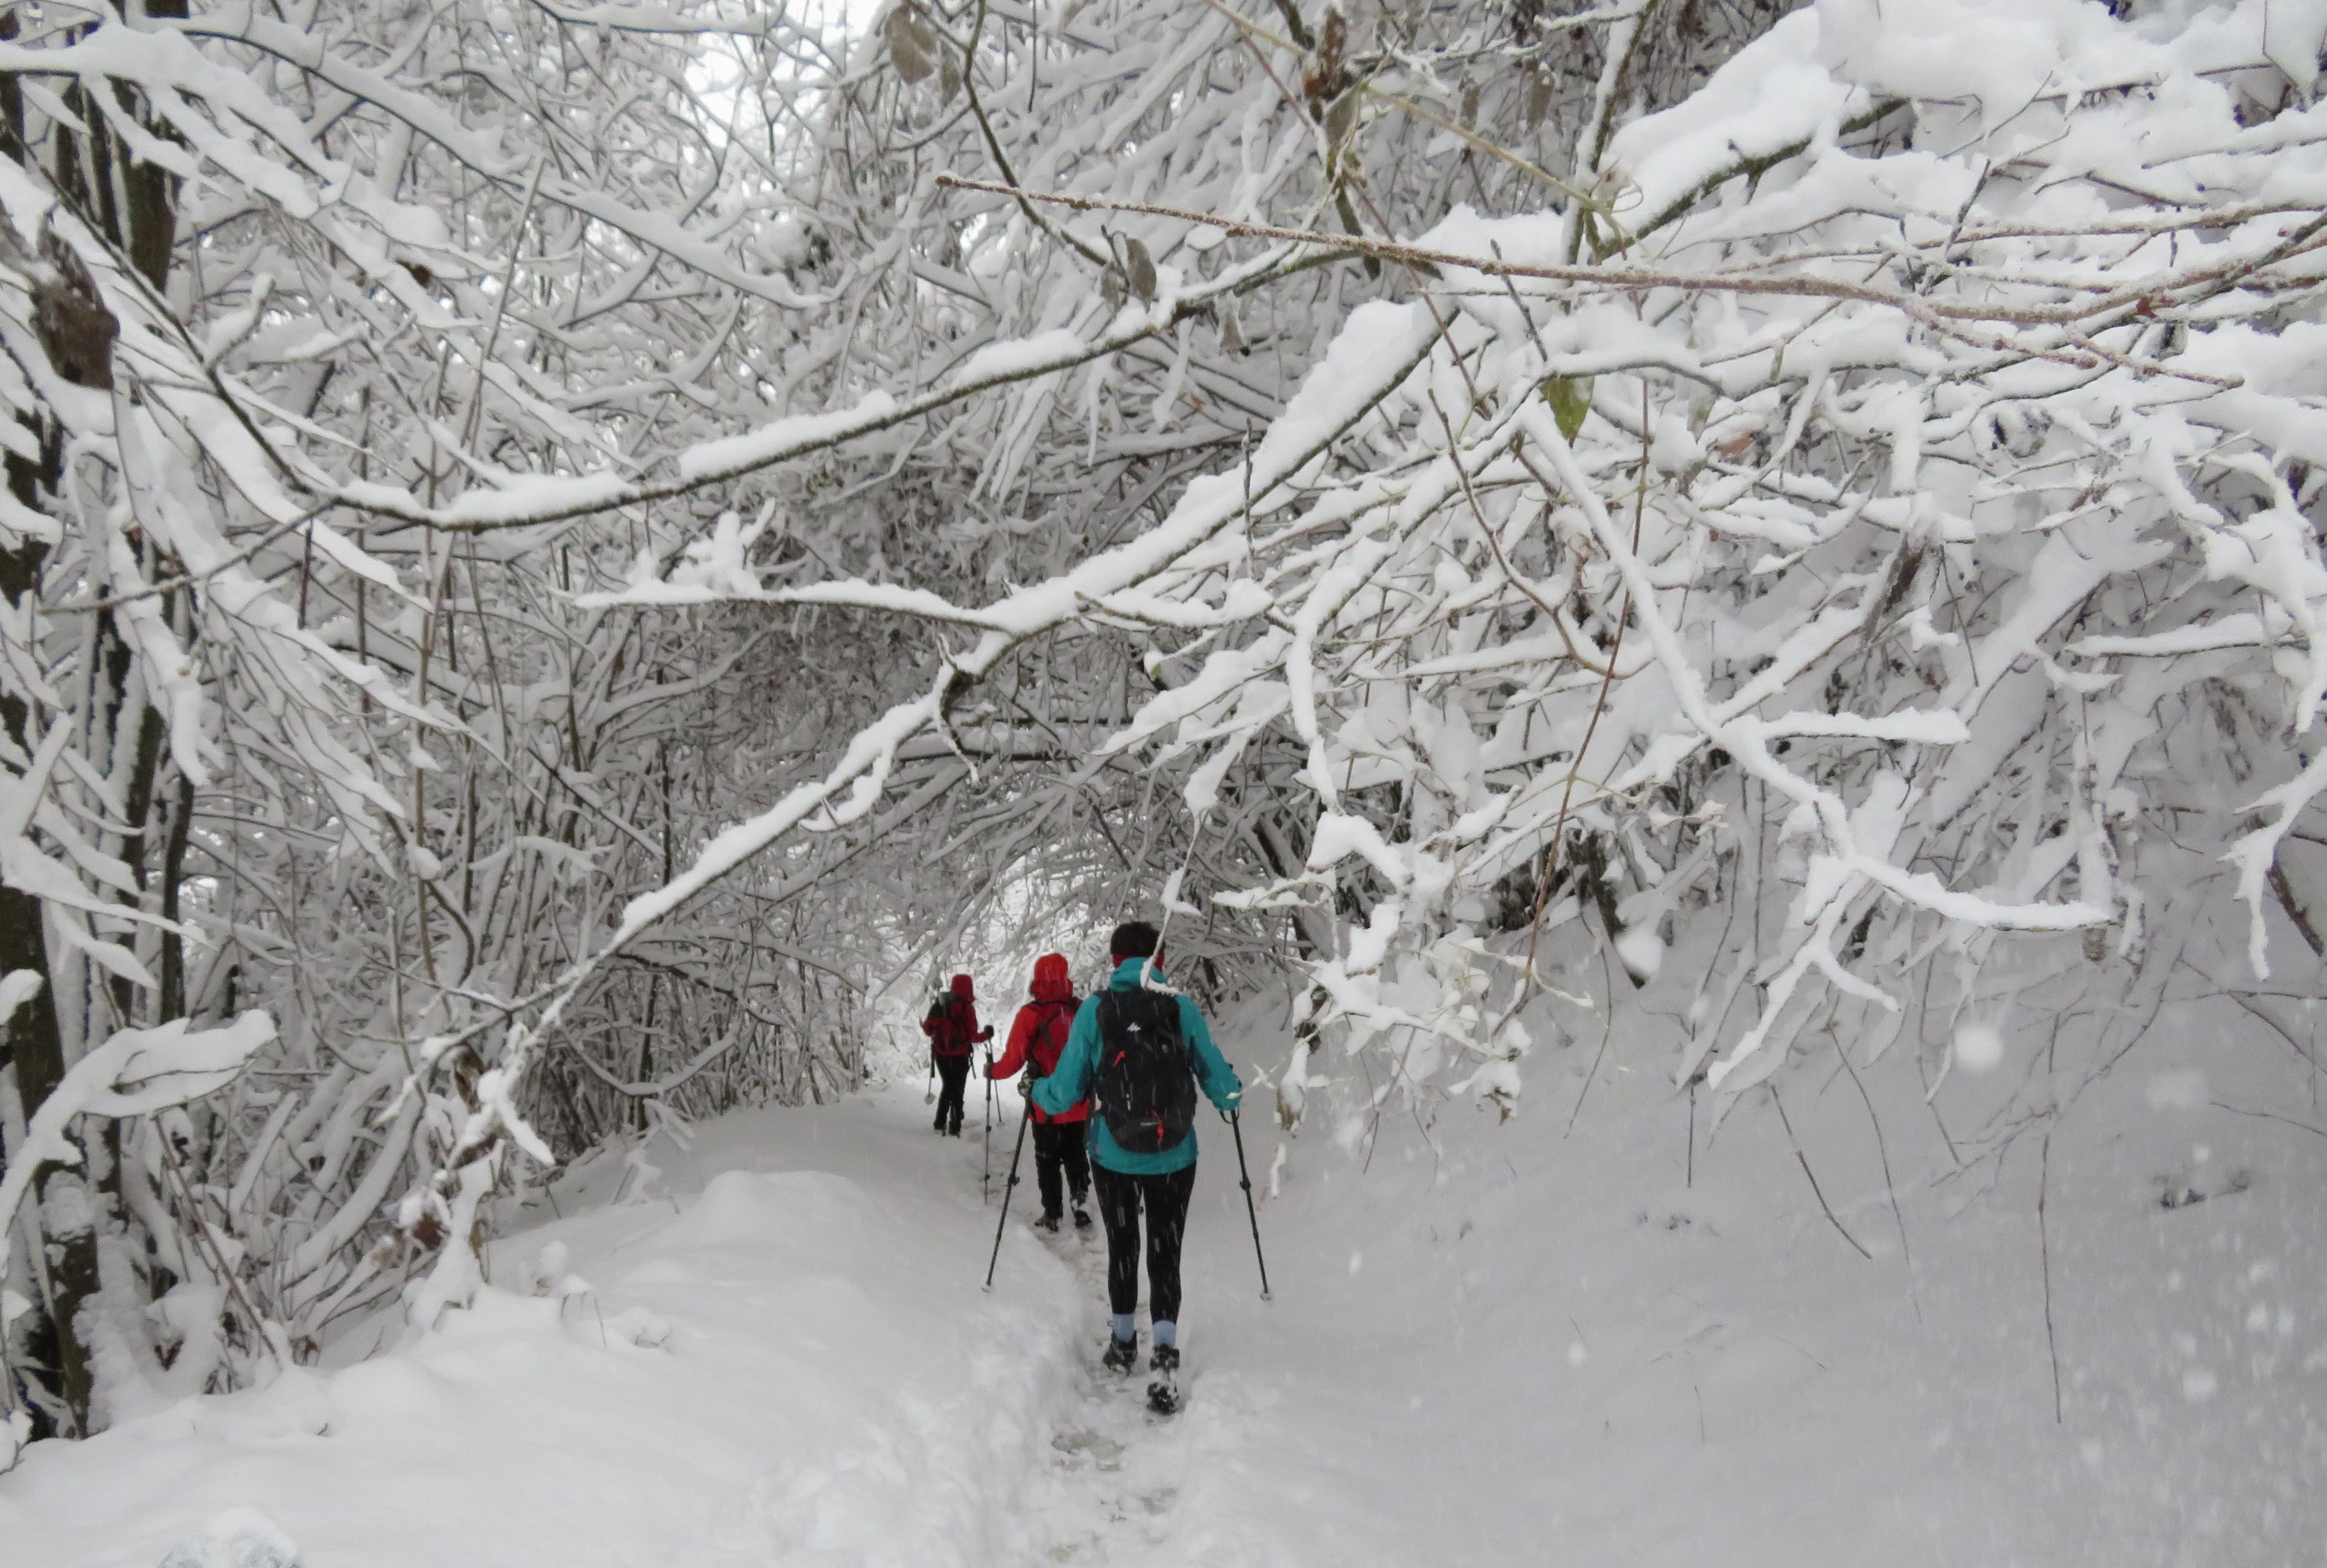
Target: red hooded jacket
(1039, 1033)
(953, 1030)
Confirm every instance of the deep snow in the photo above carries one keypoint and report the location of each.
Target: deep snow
(1496, 1344)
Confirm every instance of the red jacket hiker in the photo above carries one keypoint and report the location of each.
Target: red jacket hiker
(1039, 1033)
(953, 1031)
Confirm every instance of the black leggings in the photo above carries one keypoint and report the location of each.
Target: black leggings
(953, 1072)
(1058, 1147)
(1119, 1200)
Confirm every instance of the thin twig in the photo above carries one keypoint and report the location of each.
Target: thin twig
(2044, 1243)
(1939, 313)
(2268, 1116)
(1607, 1028)
(1890, 1184)
(1816, 1190)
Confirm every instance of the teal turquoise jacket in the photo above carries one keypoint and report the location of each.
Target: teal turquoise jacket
(1070, 1080)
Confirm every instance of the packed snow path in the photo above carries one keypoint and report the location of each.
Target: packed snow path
(773, 1350)
(1500, 1347)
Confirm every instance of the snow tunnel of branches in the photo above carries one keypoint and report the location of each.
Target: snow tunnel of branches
(558, 564)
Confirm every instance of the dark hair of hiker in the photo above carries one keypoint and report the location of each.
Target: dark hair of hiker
(1134, 940)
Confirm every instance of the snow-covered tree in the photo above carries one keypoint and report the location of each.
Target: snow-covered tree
(1754, 547)
(559, 550)
(274, 743)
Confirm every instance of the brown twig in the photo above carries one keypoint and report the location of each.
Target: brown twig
(1937, 313)
(2285, 891)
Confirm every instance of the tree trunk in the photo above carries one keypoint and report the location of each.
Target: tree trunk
(134, 203)
(37, 1054)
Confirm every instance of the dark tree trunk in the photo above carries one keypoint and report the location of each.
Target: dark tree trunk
(134, 204)
(36, 1047)
(174, 872)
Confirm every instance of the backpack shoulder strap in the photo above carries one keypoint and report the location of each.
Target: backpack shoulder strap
(1047, 1028)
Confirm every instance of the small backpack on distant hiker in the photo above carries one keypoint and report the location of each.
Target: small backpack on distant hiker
(951, 1023)
(1143, 1085)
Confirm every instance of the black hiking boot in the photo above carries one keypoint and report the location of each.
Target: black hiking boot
(1122, 1355)
(1082, 1217)
(1163, 1388)
(1049, 1222)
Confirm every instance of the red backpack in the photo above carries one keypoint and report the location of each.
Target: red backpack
(1049, 1039)
(951, 1037)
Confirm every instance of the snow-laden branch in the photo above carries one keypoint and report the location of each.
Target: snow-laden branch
(1382, 348)
(137, 1072)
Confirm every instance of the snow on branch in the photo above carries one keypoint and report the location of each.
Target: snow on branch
(137, 1072)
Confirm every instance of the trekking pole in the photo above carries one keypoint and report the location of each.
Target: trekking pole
(930, 1095)
(986, 1181)
(1244, 1176)
(1004, 1217)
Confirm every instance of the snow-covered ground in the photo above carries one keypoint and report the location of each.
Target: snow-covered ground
(1500, 1344)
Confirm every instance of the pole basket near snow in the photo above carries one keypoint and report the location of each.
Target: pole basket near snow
(1244, 1180)
(1004, 1217)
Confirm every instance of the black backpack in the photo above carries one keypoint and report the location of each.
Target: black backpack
(1145, 1086)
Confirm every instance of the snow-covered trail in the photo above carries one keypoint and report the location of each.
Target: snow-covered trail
(777, 1353)
(773, 1350)
(1499, 1345)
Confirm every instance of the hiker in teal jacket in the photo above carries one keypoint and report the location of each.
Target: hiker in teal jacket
(1127, 1180)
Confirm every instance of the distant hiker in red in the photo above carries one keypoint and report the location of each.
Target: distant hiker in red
(1036, 1038)
(953, 1032)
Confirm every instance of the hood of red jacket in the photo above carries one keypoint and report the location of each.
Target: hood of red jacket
(961, 988)
(1050, 981)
